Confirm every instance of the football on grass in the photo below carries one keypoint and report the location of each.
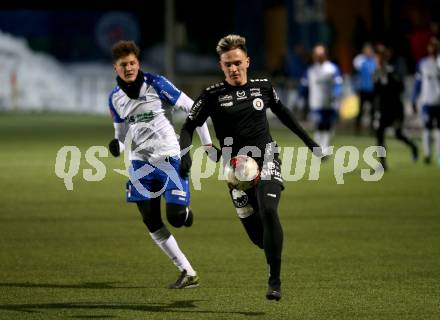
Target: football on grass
(242, 172)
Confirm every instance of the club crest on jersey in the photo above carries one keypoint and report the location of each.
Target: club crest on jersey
(258, 104)
(241, 95)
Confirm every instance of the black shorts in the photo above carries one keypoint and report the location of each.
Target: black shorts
(271, 171)
(431, 116)
(245, 201)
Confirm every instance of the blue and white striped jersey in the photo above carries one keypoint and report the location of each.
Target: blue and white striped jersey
(324, 83)
(143, 119)
(427, 82)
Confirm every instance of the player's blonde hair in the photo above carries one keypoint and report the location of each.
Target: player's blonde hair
(230, 42)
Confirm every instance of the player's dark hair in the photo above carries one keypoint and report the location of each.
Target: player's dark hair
(230, 42)
(123, 48)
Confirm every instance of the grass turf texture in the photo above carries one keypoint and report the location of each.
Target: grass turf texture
(353, 251)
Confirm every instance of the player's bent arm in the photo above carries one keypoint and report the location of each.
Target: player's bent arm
(184, 102)
(121, 129)
(116, 146)
(186, 135)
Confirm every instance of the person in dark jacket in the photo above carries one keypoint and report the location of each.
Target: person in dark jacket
(388, 88)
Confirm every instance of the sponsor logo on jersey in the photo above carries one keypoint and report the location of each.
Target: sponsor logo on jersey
(241, 95)
(255, 92)
(141, 117)
(271, 171)
(166, 94)
(227, 104)
(258, 104)
(226, 97)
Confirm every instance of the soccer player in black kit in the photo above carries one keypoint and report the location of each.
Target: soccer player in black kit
(237, 107)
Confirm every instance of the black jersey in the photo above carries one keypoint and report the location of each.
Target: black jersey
(238, 112)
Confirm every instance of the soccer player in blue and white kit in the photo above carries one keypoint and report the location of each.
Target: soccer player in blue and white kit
(427, 94)
(365, 66)
(323, 85)
(137, 105)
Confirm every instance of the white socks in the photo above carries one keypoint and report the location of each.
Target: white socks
(426, 139)
(437, 143)
(323, 138)
(165, 240)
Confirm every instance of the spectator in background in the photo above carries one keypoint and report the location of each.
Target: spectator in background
(388, 88)
(427, 94)
(322, 84)
(365, 66)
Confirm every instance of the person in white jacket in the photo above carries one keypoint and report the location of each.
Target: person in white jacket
(137, 105)
(322, 84)
(427, 95)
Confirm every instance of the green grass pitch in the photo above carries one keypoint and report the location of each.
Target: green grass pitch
(360, 250)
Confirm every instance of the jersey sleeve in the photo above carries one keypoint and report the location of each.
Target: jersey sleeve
(199, 113)
(166, 90)
(118, 122)
(184, 102)
(116, 117)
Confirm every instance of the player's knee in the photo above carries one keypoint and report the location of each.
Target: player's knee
(269, 213)
(176, 214)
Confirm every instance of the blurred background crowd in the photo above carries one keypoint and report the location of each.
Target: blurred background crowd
(56, 55)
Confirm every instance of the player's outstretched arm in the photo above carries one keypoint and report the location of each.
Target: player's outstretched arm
(288, 119)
